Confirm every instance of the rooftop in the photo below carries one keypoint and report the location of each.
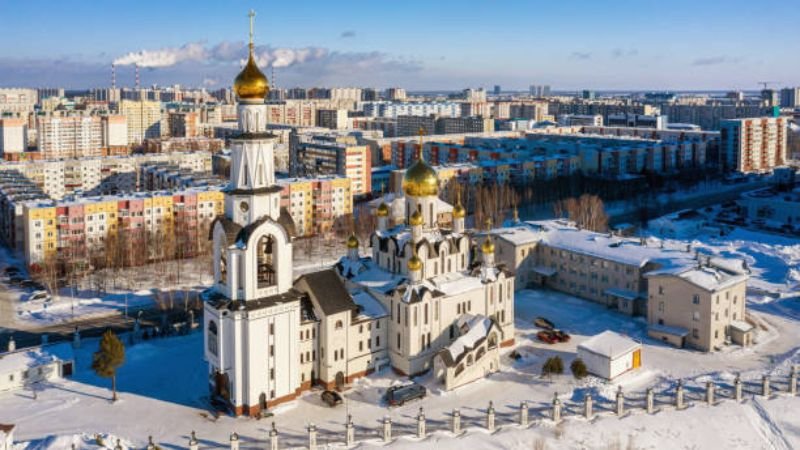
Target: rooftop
(609, 344)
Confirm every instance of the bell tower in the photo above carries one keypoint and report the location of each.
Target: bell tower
(252, 192)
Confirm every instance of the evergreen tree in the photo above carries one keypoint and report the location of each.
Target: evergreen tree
(108, 358)
(553, 366)
(578, 368)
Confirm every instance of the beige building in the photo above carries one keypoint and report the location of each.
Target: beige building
(144, 119)
(13, 137)
(76, 136)
(14, 100)
(702, 307)
(622, 274)
(757, 144)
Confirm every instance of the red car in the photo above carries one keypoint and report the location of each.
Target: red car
(548, 337)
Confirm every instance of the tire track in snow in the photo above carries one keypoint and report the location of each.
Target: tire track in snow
(768, 429)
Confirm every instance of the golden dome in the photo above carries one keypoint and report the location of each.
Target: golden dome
(251, 83)
(414, 263)
(383, 210)
(352, 242)
(420, 180)
(488, 245)
(458, 211)
(416, 219)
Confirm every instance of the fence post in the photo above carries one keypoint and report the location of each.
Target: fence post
(620, 402)
(679, 395)
(387, 429)
(710, 392)
(119, 445)
(193, 442)
(737, 388)
(273, 438)
(312, 437)
(234, 441)
(765, 385)
(150, 444)
(523, 414)
(12, 344)
(76, 338)
(421, 424)
(793, 381)
(490, 417)
(556, 413)
(349, 431)
(587, 405)
(650, 400)
(456, 421)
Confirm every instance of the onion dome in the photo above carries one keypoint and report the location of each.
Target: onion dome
(458, 211)
(420, 180)
(251, 83)
(352, 242)
(416, 219)
(383, 210)
(414, 263)
(488, 245)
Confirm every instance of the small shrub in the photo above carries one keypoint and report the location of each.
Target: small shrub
(553, 366)
(578, 368)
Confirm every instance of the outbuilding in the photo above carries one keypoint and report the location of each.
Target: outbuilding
(610, 354)
(25, 368)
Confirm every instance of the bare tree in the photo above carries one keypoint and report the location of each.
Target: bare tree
(587, 211)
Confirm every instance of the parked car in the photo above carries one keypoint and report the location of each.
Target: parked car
(15, 279)
(11, 269)
(30, 284)
(41, 296)
(331, 398)
(561, 336)
(399, 395)
(541, 322)
(547, 336)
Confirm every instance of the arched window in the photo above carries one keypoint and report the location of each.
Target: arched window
(500, 296)
(481, 352)
(469, 360)
(433, 219)
(223, 269)
(459, 369)
(339, 325)
(492, 340)
(213, 341)
(265, 257)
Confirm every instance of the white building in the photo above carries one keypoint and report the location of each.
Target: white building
(13, 137)
(472, 356)
(609, 354)
(25, 368)
(395, 109)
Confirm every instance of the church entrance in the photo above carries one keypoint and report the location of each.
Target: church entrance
(222, 386)
(339, 381)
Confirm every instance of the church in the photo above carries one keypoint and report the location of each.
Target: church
(269, 335)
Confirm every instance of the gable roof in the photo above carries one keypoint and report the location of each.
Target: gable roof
(327, 291)
(609, 344)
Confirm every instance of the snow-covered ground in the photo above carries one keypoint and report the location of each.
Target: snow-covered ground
(163, 388)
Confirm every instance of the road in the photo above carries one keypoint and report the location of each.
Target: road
(694, 202)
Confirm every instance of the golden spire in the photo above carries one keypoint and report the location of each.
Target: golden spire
(458, 210)
(251, 83)
(352, 241)
(488, 244)
(421, 133)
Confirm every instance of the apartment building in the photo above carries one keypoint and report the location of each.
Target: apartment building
(184, 124)
(77, 136)
(335, 155)
(457, 125)
(671, 285)
(17, 101)
(315, 204)
(13, 138)
(143, 119)
(15, 190)
(335, 119)
(78, 228)
(397, 109)
(757, 144)
(790, 97)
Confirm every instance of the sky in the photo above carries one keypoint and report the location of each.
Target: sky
(416, 44)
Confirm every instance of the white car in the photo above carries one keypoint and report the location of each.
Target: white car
(39, 296)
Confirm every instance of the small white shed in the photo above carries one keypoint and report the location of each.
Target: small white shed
(24, 368)
(610, 354)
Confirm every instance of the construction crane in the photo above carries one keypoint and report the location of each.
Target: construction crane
(767, 83)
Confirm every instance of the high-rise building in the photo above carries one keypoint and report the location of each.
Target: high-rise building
(369, 94)
(474, 95)
(14, 100)
(497, 89)
(330, 155)
(335, 119)
(587, 94)
(184, 124)
(144, 119)
(13, 138)
(78, 136)
(44, 93)
(539, 91)
(770, 97)
(457, 125)
(396, 94)
(757, 144)
(790, 97)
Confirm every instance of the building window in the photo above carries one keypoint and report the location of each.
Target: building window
(271, 374)
(661, 290)
(360, 346)
(695, 333)
(339, 325)
(272, 329)
(272, 350)
(398, 341)
(696, 299)
(377, 341)
(696, 316)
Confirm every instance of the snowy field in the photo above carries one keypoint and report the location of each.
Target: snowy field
(163, 385)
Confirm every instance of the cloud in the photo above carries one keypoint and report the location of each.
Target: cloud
(348, 34)
(715, 60)
(620, 52)
(165, 57)
(580, 55)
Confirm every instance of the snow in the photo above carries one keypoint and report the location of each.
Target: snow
(609, 344)
(34, 357)
(370, 306)
(455, 283)
(477, 328)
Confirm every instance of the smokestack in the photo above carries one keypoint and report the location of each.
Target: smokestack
(136, 67)
(113, 76)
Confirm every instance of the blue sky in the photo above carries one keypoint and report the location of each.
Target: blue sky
(433, 44)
